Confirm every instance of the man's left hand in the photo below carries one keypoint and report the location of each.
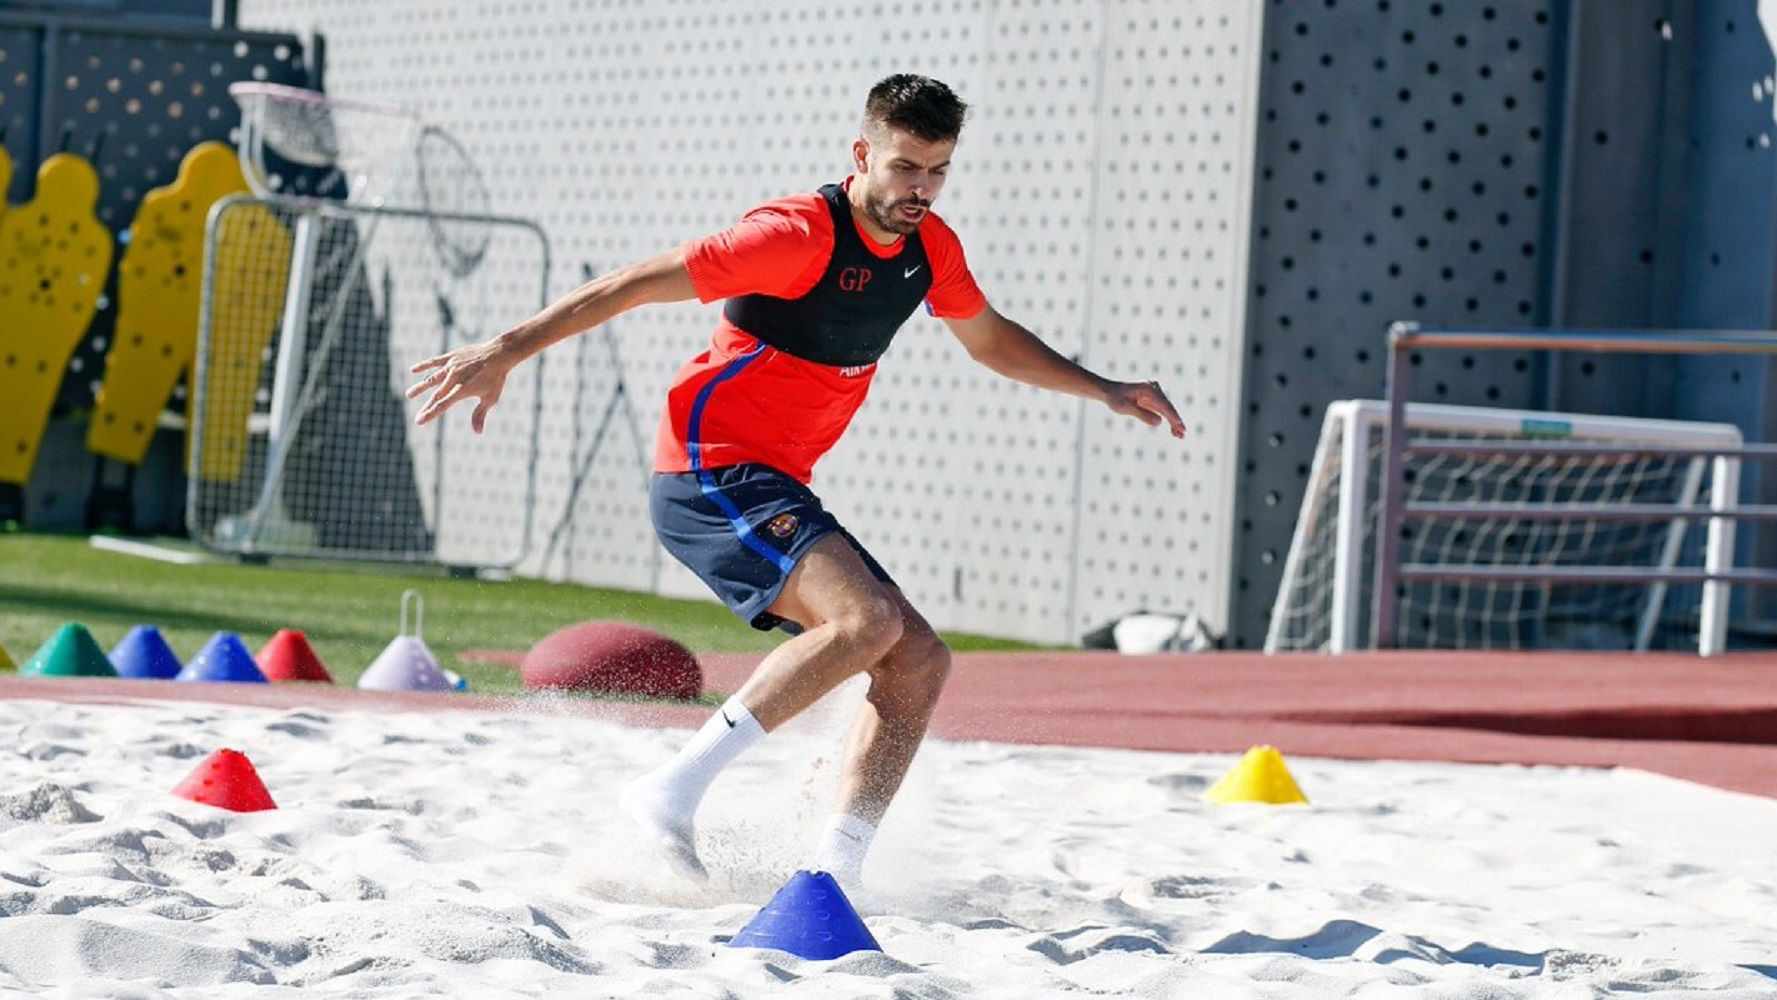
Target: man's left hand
(1145, 402)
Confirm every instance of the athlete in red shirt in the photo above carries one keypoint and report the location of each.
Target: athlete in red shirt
(815, 287)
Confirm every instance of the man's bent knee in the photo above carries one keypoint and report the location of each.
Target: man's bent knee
(936, 665)
(920, 659)
(873, 623)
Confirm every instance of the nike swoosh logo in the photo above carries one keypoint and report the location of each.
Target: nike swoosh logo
(724, 714)
(909, 272)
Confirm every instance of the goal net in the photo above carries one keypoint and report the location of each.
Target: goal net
(1324, 598)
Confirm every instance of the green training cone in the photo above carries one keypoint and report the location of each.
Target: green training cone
(71, 652)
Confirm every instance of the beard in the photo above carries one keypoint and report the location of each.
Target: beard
(888, 214)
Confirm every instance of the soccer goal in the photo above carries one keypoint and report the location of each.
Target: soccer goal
(1325, 596)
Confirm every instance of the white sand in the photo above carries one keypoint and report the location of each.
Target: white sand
(478, 856)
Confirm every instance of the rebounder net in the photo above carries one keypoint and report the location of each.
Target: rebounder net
(369, 247)
(302, 443)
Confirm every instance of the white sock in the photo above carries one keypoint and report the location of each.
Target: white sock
(682, 781)
(842, 847)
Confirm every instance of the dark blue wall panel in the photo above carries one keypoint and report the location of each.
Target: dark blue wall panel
(135, 95)
(1574, 163)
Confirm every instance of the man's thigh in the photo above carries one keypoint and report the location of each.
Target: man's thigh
(832, 580)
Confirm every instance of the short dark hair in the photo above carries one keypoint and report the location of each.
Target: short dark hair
(916, 104)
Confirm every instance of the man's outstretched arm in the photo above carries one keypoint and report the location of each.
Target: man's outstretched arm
(1016, 353)
(479, 370)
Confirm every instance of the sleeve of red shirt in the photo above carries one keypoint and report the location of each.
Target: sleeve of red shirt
(954, 294)
(780, 248)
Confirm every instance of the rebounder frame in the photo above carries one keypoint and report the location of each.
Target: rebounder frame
(284, 420)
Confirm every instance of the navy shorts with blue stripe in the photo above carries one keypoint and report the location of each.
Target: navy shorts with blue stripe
(742, 529)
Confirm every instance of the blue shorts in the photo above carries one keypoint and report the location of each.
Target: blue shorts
(742, 529)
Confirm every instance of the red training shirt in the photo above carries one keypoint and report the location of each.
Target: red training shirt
(781, 410)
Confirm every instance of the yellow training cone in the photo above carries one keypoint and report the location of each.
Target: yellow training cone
(6, 660)
(1259, 777)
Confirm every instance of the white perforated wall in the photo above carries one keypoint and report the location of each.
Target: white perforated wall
(1170, 259)
(1101, 191)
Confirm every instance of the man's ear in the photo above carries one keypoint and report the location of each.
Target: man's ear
(860, 155)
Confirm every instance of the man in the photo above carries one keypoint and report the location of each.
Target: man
(816, 286)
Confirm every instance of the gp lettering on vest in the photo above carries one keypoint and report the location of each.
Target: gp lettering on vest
(848, 317)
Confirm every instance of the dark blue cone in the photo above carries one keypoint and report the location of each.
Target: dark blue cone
(809, 918)
(223, 658)
(144, 654)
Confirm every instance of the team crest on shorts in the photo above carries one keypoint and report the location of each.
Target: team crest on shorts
(782, 526)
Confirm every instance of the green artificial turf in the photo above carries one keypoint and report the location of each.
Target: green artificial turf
(348, 613)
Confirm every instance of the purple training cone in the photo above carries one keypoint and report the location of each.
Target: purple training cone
(406, 665)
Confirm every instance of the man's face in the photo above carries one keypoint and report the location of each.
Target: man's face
(902, 175)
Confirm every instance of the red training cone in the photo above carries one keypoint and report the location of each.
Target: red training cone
(226, 780)
(289, 657)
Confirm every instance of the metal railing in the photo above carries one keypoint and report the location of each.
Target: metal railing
(1717, 575)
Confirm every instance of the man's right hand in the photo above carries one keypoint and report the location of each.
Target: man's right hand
(477, 370)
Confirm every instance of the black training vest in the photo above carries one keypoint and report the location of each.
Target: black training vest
(850, 315)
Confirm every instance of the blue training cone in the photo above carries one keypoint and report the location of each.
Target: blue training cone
(223, 658)
(809, 918)
(144, 654)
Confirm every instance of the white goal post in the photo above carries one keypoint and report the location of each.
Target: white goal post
(1326, 588)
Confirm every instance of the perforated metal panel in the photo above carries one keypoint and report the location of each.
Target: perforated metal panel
(141, 96)
(1175, 153)
(20, 56)
(1402, 162)
(1100, 193)
(1617, 222)
(1730, 250)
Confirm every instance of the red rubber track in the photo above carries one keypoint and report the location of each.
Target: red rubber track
(1710, 721)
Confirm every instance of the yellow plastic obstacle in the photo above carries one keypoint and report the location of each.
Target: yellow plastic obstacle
(248, 274)
(159, 291)
(6, 661)
(1260, 776)
(54, 257)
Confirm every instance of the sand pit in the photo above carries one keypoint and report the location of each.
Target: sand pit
(478, 855)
